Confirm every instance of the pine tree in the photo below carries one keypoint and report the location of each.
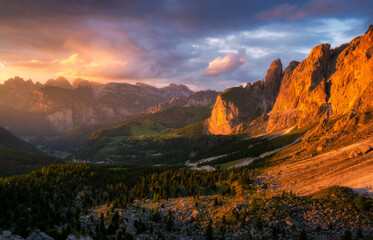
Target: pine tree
(258, 223)
(169, 222)
(303, 235)
(347, 235)
(209, 231)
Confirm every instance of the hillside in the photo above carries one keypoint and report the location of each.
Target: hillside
(19, 157)
(9, 141)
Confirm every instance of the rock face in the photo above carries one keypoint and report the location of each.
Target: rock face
(352, 75)
(64, 106)
(241, 104)
(201, 98)
(327, 83)
(303, 97)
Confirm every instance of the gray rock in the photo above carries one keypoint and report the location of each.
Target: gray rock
(16, 237)
(72, 237)
(7, 233)
(37, 235)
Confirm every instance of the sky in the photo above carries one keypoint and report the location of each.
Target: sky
(204, 44)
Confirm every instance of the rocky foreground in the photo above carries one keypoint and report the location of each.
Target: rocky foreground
(257, 214)
(37, 235)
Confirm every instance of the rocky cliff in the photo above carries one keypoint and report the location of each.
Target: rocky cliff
(236, 106)
(327, 83)
(303, 97)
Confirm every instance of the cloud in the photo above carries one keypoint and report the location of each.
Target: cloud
(77, 66)
(315, 8)
(226, 64)
(168, 41)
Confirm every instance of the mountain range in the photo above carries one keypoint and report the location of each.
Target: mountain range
(57, 106)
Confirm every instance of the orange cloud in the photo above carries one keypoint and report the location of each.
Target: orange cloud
(226, 64)
(73, 66)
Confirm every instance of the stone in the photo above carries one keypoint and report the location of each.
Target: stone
(37, 235)
(365, 149)
(7, 233)
(195, 214)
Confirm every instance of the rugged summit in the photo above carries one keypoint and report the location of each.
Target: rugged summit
(303, 98)
(327, 83)
(241, 104)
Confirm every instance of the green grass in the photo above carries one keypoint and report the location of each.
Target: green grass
(261, 146)
(111, 147)
(117, 169)
(230, 164)
(146, 128)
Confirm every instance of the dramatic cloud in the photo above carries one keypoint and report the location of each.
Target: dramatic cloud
(315, 8)
(226, 64)
(165, 41)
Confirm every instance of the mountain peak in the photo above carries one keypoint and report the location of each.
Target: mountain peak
(79, 82)
(60, 82)
(319, 53)
(273, 79)
(177, 90)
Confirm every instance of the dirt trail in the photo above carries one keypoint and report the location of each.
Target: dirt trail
(266, 154)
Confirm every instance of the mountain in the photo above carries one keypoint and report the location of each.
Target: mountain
(329, 82)
(19, 157)
(60, 82)
(200, 98)
(145, 124)
(59, 106)
(237, 105)
(9, 141)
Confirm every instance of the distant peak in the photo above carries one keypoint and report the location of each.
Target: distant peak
(15, 79)
(61, 79)
(277, 61)
(18, 81)
(79, 82)
(60, 82)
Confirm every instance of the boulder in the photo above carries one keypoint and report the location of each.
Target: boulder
(38, 235)
(195, 214)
